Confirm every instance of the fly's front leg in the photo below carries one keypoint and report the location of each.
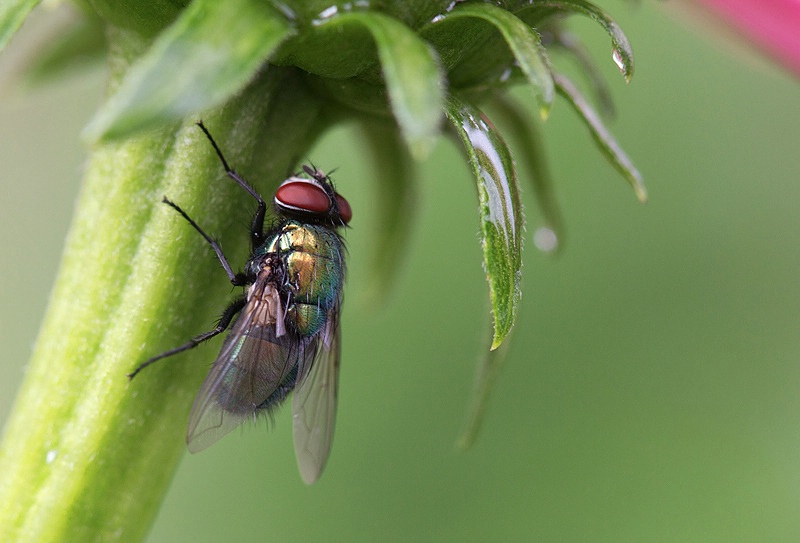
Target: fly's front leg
(238, 279)
(257, 227)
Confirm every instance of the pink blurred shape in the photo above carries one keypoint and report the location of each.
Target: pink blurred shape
(773, 25)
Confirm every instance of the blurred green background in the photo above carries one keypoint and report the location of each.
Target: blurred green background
(652, 391)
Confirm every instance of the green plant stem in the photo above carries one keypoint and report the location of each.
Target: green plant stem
(88, 455)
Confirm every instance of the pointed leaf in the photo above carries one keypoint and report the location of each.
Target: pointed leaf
(411, 74)
(622, 53)
(12, 14)
(144, 18)
(394, 204)
(488, 369)
(524, 43)
(605, 141)
(525, 132)
(500, 211)
(573, 45)
(81, 44)
(211, 51)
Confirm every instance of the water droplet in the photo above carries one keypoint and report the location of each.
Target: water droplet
(545, 239)
(347, 7)
(285, 10)
(326, 13)
(616, 56)
(444, 13)
(50, 456)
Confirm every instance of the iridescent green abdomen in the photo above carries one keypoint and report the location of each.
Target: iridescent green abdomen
(313, 260)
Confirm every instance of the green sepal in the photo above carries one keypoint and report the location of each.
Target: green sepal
(12, 14)
(573, 46)
(145, 18)
(622, 50)
(411, 75)
(394, 204)
(523, 42)
(210, 53)
(525, 133)
(500, 210)
(82, 44)
(602, 137)
(489, 367)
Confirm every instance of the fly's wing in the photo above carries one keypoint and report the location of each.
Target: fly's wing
(254, 366)
(314, 403)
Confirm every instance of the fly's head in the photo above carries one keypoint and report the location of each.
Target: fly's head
(312, 199)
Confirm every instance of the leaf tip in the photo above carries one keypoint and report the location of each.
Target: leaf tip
(497, 340)
(641, 192)
(465, 441)
(624, 63)
(421, 147)
(544, 111)
(637, 183)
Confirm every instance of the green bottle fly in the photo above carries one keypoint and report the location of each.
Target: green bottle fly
(285, 334)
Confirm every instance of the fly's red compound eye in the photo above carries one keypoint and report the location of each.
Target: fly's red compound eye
(344, 208)
(303, 196)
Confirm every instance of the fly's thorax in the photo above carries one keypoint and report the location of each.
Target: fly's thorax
(262, 262)
(313, 261)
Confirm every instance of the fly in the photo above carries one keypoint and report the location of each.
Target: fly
(285, 335)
